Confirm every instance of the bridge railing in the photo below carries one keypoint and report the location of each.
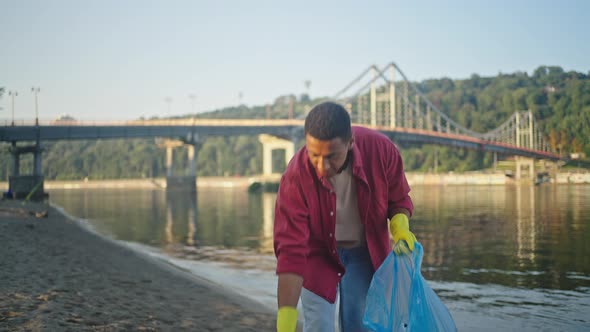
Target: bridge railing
(159, 122)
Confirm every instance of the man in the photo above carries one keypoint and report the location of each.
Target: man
(330, 230)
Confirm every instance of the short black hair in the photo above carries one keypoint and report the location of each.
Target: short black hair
(328, 120)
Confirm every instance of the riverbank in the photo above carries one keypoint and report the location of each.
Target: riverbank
(480, 178)
(440, 179)
(56, 275)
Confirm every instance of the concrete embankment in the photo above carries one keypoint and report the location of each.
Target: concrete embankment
(477, 178)
(577, 178)
(243, 182)
(457, 179)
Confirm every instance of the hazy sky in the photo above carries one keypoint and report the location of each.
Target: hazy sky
(111, 60)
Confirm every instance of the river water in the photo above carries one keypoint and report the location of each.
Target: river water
(513, 257)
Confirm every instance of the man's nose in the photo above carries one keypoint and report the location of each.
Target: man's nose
(323, 167)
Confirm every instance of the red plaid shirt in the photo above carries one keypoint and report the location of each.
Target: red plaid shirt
(305, 211)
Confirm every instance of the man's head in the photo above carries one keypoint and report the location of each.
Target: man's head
(328, 138)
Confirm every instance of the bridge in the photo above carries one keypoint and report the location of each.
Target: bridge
(397, 109)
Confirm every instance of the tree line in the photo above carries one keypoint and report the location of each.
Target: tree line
(559, 101)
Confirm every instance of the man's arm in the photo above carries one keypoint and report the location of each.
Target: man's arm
(291, 234)
(289, 289)
(288, 293)
(399, 189)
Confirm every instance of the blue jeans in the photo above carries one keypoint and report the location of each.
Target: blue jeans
(320, 315)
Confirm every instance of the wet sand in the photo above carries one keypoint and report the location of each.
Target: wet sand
(57, 276)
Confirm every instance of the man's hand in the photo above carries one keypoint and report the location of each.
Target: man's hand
(286, 319)
(399, 228)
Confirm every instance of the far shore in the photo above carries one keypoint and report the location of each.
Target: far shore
(450, 178)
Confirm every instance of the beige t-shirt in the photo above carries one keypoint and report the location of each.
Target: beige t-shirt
(350, 231)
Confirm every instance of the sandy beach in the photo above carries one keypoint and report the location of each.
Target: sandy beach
(57, 276)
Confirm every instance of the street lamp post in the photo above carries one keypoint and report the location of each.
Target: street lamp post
(12, 94)
(192, 97)
(36, 90)
(168, 101)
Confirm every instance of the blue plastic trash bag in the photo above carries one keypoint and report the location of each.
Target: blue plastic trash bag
(399, 299)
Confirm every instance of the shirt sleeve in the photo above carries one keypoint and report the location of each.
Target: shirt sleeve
(291, 227)
(399, 188)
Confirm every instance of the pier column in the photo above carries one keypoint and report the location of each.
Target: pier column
(531, 163)
(15, 162)
(266, 160)
(289, 152)
(169, 145)
(26, 186)
(270, 143)
(518, 171)
(16, 151)
(193, 141)
(191, 178)
(553, 169)
(192, 159)
(179, 182)
(37, 162)
(525, 163)
(169, 158)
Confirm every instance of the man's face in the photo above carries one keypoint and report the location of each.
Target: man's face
(327, 157)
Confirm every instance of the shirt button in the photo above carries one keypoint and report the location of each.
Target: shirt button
(330, 234)
(331, 213)
(339, 274)
(333, 251)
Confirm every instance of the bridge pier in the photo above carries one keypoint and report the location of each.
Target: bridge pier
(188, 181)
(15, 160)
(527, 164)
(193, 150)
(32, 185)
(170, 145)
(270, 143)
(548, 171)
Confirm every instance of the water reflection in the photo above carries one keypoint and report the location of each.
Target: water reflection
(192, 228)
(266, 236)
(516, 236)
(179, 204)
(525, 223)
(524, 236)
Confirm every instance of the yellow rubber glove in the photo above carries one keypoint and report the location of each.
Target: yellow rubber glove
(399, 228)
(286, 319)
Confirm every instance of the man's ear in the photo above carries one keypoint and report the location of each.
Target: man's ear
(351, 143)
